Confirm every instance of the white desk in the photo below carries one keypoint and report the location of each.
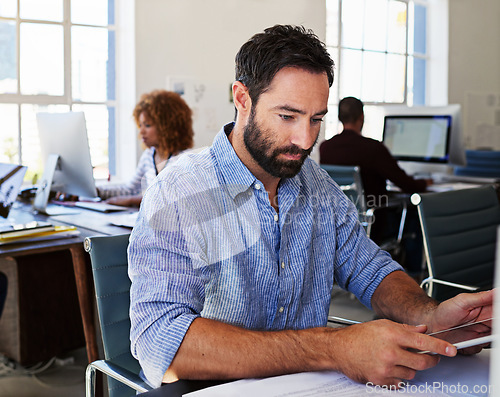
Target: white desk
(457, 376)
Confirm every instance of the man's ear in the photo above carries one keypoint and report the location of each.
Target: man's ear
(241, 98)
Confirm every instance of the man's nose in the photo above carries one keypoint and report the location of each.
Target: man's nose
(305, 136)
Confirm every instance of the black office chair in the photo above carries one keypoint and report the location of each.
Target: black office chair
(349, 180)
(108, 256)
(459, 229)
(348, 177)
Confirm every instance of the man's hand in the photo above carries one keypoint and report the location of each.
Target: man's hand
(125, 201)
(463, 309)
(387, 353)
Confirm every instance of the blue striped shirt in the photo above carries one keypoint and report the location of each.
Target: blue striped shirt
(208, 243)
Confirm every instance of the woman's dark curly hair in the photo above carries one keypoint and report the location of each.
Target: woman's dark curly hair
(171, 116)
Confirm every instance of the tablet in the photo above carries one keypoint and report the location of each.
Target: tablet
(467, 335)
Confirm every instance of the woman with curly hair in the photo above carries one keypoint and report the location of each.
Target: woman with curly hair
(165, 127)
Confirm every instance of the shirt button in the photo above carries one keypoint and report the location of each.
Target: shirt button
(276, 217)
(257, 186)
(281, 309)
(282, 265)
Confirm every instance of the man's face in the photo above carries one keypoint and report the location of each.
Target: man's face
(284, 126)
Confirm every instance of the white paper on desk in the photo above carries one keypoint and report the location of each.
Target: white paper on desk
(124, 220)
(307, 384)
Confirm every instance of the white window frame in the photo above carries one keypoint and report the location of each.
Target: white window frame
(124, 80)
(436, 84)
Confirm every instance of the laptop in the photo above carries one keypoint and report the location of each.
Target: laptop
(11, 179)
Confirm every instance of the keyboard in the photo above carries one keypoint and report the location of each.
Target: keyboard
(100, 206)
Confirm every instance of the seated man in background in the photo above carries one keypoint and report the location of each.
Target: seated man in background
(377, 166)
(236, 249)
(165, 127)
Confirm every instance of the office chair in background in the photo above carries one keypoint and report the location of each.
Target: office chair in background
(349, 179)
(459, 229)
(108, 255)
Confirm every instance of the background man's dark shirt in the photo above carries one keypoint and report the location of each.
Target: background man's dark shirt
(374, 159)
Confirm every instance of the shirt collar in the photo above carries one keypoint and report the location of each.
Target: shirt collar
(236, 175)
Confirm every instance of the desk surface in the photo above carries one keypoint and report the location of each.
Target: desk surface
(89, 223)
(457, 376)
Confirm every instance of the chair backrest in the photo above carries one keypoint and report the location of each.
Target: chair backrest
(459, 229)
(348, 177)
(108, 255)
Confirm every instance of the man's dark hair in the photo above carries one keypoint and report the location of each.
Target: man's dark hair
(350, 109)
(280, 46)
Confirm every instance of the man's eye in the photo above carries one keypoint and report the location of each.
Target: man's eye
(317, 120)
(286, 117)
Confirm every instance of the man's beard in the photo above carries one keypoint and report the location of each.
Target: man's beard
(260, 145)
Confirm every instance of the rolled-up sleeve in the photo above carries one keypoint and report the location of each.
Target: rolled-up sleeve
(166, 293)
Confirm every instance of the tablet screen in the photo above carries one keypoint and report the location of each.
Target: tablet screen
(467, 335)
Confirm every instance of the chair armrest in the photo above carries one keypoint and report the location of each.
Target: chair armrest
(342, 321)
(116, 372)
(448, 283)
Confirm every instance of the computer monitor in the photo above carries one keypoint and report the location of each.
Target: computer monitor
(456, 147)
(422, 138)
(65, 135)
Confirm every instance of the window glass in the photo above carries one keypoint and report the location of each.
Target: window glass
(373, 77)
(375, 37)
(8, 8)
(376, 45)
(39, 51)
(350, 77)
(89, 63)
(97, 119)
(395, 78)
(419, 75)
(374, 122)
(42, 59)
(9, 138)
(420, 37)
(396, 27)
(332, 17)
(89, 12)
(332, 124)
(8, 68)
(46, 10)
(352, 23)
(30, 141)
(334, 89)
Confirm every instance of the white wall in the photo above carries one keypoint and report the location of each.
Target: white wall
(474, 68)
(195, 41)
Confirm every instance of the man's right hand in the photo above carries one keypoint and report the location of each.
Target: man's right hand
(386, 353)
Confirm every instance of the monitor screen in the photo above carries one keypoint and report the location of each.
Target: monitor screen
(65, 134)
(423, 138)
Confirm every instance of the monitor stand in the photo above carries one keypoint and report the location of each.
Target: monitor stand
(41, 202)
